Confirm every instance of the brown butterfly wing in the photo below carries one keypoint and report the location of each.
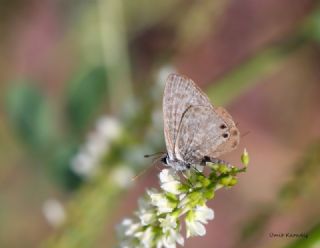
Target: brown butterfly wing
(193, 127)
(203, 132)
(180, 93)
(233, 139)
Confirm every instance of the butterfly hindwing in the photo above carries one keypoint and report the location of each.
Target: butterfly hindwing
(179, 94)
(201, 133)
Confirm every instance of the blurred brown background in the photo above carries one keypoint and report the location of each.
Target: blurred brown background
(66, 65)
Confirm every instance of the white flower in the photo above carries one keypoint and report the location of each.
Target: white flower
(128, 228)
(127, 222)
(167, 175)
(168, 223)
(54, 212)
(158, 220)
(195, 228)
(161, 202)
(122, 175)
(144, 204)
(147, 217)
(98, 144)
(169, 239)
(146, 238)
(132, 229)
(170, 230)
(83, 165)
(195, 221)
(203, 214)
(170, 181)
(147, 213)
(172, 238)
(110, 128)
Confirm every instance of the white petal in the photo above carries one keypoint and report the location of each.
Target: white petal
(168, 223)
(200, 229)
(203, 214)
(126, 222)
(168, 243)
(131, 229)
(147, 237)
(169, 239)
(146, 218)
(180, 239)
(83, 164)
(172, 187)
(167, 175)
(144, 204)
(161, 202)
(195, 228)
(160, 244)
(177, 237)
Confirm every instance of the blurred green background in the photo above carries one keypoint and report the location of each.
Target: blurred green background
(81, 90)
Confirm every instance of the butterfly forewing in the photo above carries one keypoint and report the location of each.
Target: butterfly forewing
(179, 94)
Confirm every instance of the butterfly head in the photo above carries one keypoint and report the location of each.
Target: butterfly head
(176, 164)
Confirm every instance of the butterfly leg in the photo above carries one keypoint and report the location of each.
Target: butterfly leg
(216, 161)
(196, 169)
(186, 177)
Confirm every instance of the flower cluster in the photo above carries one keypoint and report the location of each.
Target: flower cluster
(182, 198)
(98, 143)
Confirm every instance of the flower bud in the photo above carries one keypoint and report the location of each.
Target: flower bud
(224, 169)
(245, 158)
(225, 181)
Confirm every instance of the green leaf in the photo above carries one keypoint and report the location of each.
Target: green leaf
(312, 239)
(60, 166)
(85, 97)
(30, 115)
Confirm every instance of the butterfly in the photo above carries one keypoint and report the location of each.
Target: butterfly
(195, 131)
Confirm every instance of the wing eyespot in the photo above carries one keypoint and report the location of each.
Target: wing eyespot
(225, 135)
(223, 126)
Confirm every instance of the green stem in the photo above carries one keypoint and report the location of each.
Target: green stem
(87, 213)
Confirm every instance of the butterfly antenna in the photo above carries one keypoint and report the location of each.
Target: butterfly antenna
(245, 134)
(154, 154)
(154, 162)
(140, 173)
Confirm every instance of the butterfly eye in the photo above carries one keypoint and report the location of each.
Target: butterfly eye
(225, 135)
(223, 126)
